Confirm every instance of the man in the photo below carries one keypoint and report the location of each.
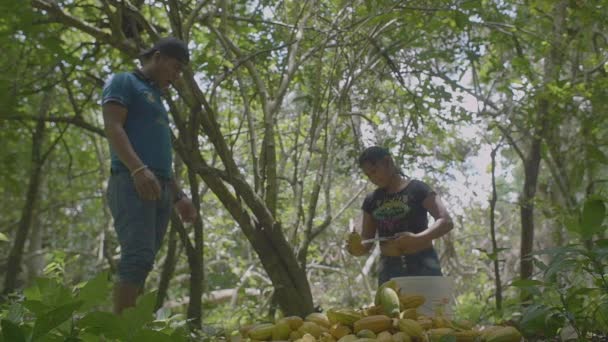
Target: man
(142, 190)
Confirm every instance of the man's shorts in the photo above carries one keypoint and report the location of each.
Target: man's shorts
(140, 225)
(423, 263)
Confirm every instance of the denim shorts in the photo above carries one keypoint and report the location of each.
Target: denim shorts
(140, 225)
(423, 263)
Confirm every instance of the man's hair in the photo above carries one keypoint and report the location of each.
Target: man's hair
(168, 46)
(373, 154)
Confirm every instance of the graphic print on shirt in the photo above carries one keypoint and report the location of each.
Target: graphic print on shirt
(390, 214)
(149, 97)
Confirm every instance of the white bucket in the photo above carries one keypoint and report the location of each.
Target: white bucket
(438, 291)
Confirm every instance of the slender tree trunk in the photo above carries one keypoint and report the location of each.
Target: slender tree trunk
(35, 263)
(493, 233)
(168, 268)
(533, 157)
(197, 275)
(33, 190)
(531, 166)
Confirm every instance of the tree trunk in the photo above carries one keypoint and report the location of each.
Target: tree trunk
(197, 275)
(33, 189)
(531, 166)
(493, 201)
(168, 268)
(532, 161)
(35, 263)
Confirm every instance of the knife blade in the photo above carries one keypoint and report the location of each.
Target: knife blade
(378, 239)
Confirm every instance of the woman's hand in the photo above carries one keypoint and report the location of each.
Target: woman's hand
(410, 243)
(354, 245)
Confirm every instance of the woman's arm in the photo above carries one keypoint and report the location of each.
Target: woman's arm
(443, 222)
(368, 231)
(409, 243)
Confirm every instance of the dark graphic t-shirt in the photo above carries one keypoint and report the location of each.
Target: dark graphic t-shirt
(400, 211)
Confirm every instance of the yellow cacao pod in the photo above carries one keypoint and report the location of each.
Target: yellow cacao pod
(463, 324)
(441, 322)
(411, 301)
(244, 329)
(384, 336)
(366, 333)
(436, 334)
(319, 318)
(343, 316)
(310, 328)
(326, 337)
(307, 338)
(411, 327)
(295, 335)
(348, 338)
(389, 301)
(339, 330)
(262, 332)
(409, 313)
(294, 321)
(485, 333)
(425, 323)
(373, 310)
(281, 331)
(401, 337)
(504, 334)
(389, 284)
(466, 335)
(376, 323)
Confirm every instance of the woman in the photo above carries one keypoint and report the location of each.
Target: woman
(397, 210)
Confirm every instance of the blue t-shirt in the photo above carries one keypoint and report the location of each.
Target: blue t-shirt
(147, 122)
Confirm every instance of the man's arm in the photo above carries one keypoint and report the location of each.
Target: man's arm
(114, 116)
(146, 184)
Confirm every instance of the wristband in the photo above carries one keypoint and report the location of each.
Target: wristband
(178, 196)
(138, 170)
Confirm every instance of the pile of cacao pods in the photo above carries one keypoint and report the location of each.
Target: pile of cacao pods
(393, 318)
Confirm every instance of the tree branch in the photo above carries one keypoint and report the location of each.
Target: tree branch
(56, 12)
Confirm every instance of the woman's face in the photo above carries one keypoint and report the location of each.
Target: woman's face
(378, 172)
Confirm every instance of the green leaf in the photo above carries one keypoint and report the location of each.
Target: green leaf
(594, 213)
(527, 283)
(95, 291)
(3, 237)
(15, 313)
(142, 313)
(471, 4)
(104, 323)
(49, 291)
(597, 154)
(11, 331)
(538, 318)
(461, 19)
(36, 307)
(54, 318)
(151, 336)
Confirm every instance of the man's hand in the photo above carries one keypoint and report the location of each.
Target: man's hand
(354, 245)
(147, 185)
(186, 210)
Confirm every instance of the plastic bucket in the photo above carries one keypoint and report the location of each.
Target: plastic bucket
(438, 291)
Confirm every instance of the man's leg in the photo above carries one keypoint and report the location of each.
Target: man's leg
(125, 296)
(135, 223)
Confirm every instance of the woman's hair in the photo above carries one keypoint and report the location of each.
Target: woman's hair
(373, 154)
